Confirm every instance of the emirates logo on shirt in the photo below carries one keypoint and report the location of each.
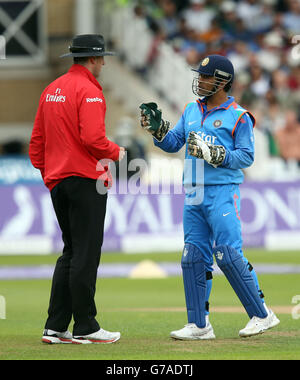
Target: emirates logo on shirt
(56, 98)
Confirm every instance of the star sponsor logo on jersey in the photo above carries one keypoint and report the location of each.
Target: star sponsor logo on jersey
(207, 138)
(57, 97)
(94, 100)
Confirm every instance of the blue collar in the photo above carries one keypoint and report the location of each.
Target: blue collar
(225, 105)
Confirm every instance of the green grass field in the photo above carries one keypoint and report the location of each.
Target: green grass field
(146, 310)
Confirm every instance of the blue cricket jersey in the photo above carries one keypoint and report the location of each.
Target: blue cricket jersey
(229, 125)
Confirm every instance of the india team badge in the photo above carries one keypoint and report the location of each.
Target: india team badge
(205, 61)
(217, 123)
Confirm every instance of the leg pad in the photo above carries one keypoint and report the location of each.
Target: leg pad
(194, 278)
(237, 273)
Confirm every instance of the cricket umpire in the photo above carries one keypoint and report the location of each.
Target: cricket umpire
(68, 141)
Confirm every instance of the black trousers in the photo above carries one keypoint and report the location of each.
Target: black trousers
(80, 211)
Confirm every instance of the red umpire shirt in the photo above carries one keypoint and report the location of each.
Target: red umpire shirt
(68, 137)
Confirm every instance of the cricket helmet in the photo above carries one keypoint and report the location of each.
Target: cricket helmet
(216, 66)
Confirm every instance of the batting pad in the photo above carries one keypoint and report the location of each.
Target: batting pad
(194, 279)
(237, 273)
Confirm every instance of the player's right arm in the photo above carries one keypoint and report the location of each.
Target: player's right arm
(174, 140)
(92, 126)
(170, 141)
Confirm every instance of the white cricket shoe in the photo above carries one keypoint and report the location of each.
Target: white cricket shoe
(55, 337)
(259, 325)
(100, 336)
(192, 332)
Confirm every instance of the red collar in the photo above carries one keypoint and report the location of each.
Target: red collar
(75, 68)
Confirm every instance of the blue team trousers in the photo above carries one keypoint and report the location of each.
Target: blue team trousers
(216, 220)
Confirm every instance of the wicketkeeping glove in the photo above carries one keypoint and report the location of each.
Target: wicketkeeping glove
(152, 122)
(213, 154)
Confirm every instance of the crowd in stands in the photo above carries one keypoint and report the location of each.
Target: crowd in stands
(259, 37)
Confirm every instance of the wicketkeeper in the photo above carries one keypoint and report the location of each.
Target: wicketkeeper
(219, 139)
